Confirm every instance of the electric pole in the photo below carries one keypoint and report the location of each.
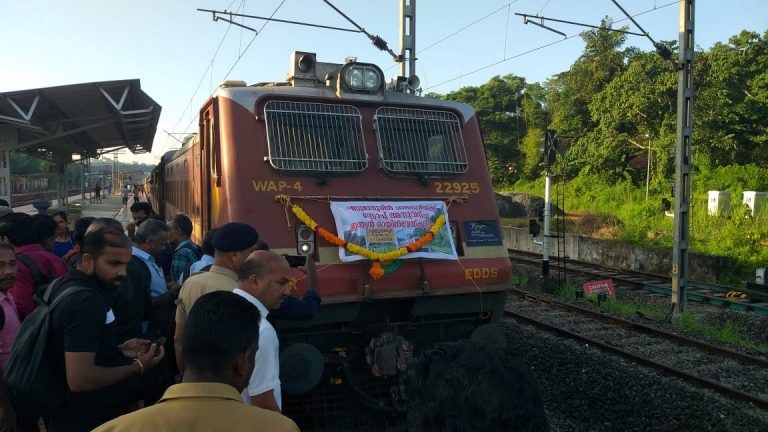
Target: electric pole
(683, 160)
(408, 43)
(116, 172)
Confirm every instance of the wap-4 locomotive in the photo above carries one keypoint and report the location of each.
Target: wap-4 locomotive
(387, 191)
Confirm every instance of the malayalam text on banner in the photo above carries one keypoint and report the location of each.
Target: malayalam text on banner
(387, 226)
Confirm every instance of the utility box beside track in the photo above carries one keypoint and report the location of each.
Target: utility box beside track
(755, 200)
(718, 203)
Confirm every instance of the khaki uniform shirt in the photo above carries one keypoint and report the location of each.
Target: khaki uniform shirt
(192, 407)
(216, 279)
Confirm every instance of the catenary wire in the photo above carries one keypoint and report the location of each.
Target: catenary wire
(205, 73)
(240, 56)
(542, 8)
(443, 39)
(540, 47)
(506, 30)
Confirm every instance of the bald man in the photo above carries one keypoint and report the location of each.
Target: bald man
(264, 278)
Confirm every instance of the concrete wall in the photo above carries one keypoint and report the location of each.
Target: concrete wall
(703, 268)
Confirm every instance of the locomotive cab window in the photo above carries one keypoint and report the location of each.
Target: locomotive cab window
(420, 142)
(314, 138)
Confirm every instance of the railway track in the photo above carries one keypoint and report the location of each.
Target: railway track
(718, 295)
(728, 372)
(20, 200)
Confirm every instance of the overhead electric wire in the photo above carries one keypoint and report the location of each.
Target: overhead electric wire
(239, 57)
(542, 8)
(460, 30)
(645, 33)
(502, 61)
(251, 42)
(351, 21)
(466, 27)
(506, 31)
(376, 40)
(651, 10)
(538, 48)
(663, 51)
(205, 73)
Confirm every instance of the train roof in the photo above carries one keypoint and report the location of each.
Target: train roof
(248, 96)
(310, 78)
(168, 155)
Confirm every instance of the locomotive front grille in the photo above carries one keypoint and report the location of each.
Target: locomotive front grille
(315, 137)
(426, 142)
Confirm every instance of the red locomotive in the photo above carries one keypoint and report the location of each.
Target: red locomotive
(281, 155)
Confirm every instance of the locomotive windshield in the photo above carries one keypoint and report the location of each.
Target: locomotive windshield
(314, 137)
(420, 141)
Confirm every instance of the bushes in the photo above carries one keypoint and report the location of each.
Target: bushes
(619, 210)
(733, 178)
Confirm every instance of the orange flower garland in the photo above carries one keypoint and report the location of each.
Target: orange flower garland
(377, 257)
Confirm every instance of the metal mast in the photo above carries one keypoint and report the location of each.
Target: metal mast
(683, 160)
(408, 38)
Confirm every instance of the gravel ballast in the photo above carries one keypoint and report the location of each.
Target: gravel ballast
(587, 390)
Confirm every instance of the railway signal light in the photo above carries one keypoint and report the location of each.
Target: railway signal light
(305, 240)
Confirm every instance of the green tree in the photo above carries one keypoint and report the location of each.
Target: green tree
(570, 93)
(506, 107)
(532, 154)
(635, 110)
(731, 104)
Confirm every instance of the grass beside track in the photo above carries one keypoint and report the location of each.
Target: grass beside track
(726, 332)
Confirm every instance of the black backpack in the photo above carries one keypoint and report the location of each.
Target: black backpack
(33, 385)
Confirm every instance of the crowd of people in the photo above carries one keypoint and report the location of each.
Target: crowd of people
(121, 328)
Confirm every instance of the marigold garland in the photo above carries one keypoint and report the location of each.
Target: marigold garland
(377, 257)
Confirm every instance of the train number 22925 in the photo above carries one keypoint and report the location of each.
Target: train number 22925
(457, 187)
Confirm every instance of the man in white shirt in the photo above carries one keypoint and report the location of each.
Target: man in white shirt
(264, 278)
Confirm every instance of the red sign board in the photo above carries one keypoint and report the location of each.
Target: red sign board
(604, 286)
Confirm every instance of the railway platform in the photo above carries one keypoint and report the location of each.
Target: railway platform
(110, 206)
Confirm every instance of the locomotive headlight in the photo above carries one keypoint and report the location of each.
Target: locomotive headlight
(355, 78)
(305, 240)
(361, 77)
(370, 79)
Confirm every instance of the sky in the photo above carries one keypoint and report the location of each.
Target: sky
(180, 54)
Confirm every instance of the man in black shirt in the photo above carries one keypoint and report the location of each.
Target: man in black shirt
(104, 377)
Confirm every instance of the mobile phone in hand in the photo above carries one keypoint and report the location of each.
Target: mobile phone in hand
(158, 343)
(296, 260)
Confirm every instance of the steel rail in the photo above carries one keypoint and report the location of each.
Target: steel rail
(727, 352)
(656, 282)
(536, 258)
(701, 381)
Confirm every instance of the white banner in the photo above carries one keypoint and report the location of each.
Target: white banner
(388, 226)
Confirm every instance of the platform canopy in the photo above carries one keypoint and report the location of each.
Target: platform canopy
(86, 120)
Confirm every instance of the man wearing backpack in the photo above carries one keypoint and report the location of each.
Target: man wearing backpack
(36, 266)
(104, 378)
